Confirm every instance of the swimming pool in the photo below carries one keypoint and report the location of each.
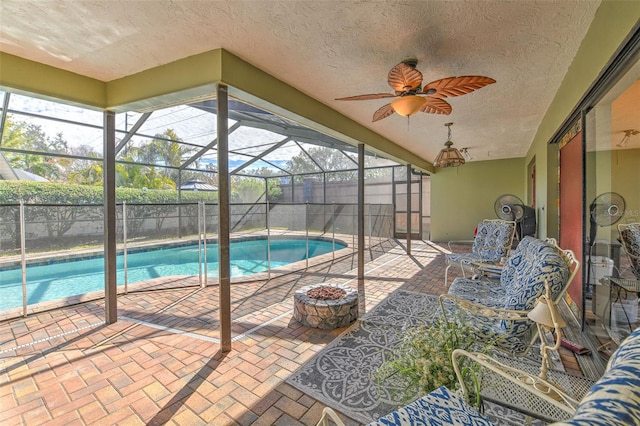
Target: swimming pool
(46, 282)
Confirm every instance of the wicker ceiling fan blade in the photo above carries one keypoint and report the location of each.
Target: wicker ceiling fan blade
(367, 97)
(404, 78)
(382, 112)
(406, 81)
(456, 86)
(436, 106)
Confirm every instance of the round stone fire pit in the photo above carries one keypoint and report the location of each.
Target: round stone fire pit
(313, 306)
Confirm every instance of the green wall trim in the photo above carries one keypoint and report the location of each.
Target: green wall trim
(184, 80)
(190, 79)
(21, 75)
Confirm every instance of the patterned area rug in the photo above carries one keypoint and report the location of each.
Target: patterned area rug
(342, 374)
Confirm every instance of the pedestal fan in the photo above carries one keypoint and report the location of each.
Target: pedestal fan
(605, 210)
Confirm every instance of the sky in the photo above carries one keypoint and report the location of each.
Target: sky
(192, 125)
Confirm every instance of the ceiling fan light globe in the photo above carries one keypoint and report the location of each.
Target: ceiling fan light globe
(408, 105)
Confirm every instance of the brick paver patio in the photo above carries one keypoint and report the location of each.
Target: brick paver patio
(160, 363)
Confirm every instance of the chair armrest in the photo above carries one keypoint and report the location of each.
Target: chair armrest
(534, 385)
(482, 310)
(466, 242)
(485, 267)
(327, 414)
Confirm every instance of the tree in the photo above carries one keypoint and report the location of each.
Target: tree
(89, 175)
(247, 190)
(139, 176)
(30, 137)
(274, 191)
(330, 159)
(84, 171)
(168, 155)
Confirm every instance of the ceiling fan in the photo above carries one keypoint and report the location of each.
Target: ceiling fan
(406, 81)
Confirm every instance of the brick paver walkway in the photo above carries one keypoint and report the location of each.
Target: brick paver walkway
(160, 363)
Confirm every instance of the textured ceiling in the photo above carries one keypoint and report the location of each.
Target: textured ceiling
(334, 49)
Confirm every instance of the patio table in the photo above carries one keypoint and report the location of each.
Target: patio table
(500, 391)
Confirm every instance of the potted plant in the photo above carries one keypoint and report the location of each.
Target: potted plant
(422, 361)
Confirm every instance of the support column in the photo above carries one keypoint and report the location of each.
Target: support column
(420, 212)
(361, 290)
(224, 259)
(409, 209)
(179, 203)
(109, 199)
(394, 201)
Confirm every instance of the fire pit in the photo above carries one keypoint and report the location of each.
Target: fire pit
(325, 306)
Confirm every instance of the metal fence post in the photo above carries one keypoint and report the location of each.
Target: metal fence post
(23, 260)
(369, 214)
(353, 228)
(199, 243)
(268, 241)
(204, 237)
(333, 229)
(124, 244)
(306, 227)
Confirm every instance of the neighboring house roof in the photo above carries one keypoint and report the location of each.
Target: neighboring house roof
(25, 175)
(197, 185)
(9, 173)
(6, 171)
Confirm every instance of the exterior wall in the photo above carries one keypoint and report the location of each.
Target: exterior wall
(463, 196)
(616, 171)
(337, 192)
(451, 216)
(611, 25)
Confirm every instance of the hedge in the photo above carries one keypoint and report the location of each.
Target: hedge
(59, 220)
(13, 191)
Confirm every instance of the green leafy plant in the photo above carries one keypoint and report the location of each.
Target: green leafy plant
(422, 362)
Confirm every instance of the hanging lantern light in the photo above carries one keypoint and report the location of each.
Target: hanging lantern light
(449, 156)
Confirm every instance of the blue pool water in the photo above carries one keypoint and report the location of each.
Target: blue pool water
(71, 278)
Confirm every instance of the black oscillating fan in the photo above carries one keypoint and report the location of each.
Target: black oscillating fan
(510, 207)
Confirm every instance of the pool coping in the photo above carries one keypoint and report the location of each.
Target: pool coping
(41, 259)
(160, 282)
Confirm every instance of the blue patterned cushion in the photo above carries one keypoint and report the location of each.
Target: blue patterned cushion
(440, 407)
(479, 239)
(525, 272)
(484, 291)
(520, 285)
(497, 238)
(462, 257)
(631, 239)
(615, 398)
(512, 337)
(491, 243)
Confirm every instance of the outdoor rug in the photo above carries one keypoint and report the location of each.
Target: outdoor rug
(342, 375)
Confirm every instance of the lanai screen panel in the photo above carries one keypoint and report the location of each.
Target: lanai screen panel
(47, 141)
